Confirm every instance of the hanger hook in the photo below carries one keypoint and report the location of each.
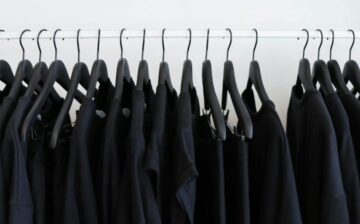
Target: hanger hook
(307, 41)
(121, 46)
(228, 49)
(21, 45)
(188, 48)
(353, 42)
(54, 40)
(207, 43)
(98, 45)
(143, 45)
(332, 42)
(321, 41)
(78, 43)
(1, 30)
(256, 42)
(38, 42)
(163, 44)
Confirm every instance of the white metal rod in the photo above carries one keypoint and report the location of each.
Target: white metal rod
(84, 34)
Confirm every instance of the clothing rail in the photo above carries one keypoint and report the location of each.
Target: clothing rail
(169, 33)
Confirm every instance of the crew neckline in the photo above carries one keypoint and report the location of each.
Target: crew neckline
(249, 98)
(299, 100)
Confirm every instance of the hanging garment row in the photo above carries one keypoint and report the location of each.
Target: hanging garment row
(136, 156)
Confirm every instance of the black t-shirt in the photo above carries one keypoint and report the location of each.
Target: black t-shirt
(81, 180)
(159, 149)
(14, 154)
(210, 186)
(237, 202)
(315, 156)
(349, 171)
(137, 202)
(112, 157)
(184, 173)
(273, 194)
(352, 107)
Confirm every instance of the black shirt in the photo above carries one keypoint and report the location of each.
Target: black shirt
(137, 202)
(313, 144)
(81, 180)
(350, 175)
(37, 147)
(237, 202)
(273, 194)
(352, 107)
(8, 105)
(14, 154)
(210, 186)
(56, 171)
(8, 110)
(184, 173)
(3, 200)
(112, 157)
(159, 150)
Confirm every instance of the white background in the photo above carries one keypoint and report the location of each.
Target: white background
(278, 58)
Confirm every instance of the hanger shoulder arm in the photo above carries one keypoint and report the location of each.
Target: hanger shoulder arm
(122, 74)
(304, 74)
(6, 74)
(229, 84)
(337, 77)
(99, 73)
(352, 74)
(164, 75)
(143, 75)
(321, 74)
(187, 79)
(255, 78)
(212, 101)
(24, 69)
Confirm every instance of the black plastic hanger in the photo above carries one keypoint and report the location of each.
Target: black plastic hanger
(321, 73)
(80, 74)
(187, 79)
(122, 72)
(304, 71)
(229, 85)
(164, 72)
(143, 71)
(210, 98)
(98, 72)
(57, 73)
(351, 70)
(255, 75)
(23, 71)
(6, 74)
(335, 71)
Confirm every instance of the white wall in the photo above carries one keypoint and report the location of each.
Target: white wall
(278, 57)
